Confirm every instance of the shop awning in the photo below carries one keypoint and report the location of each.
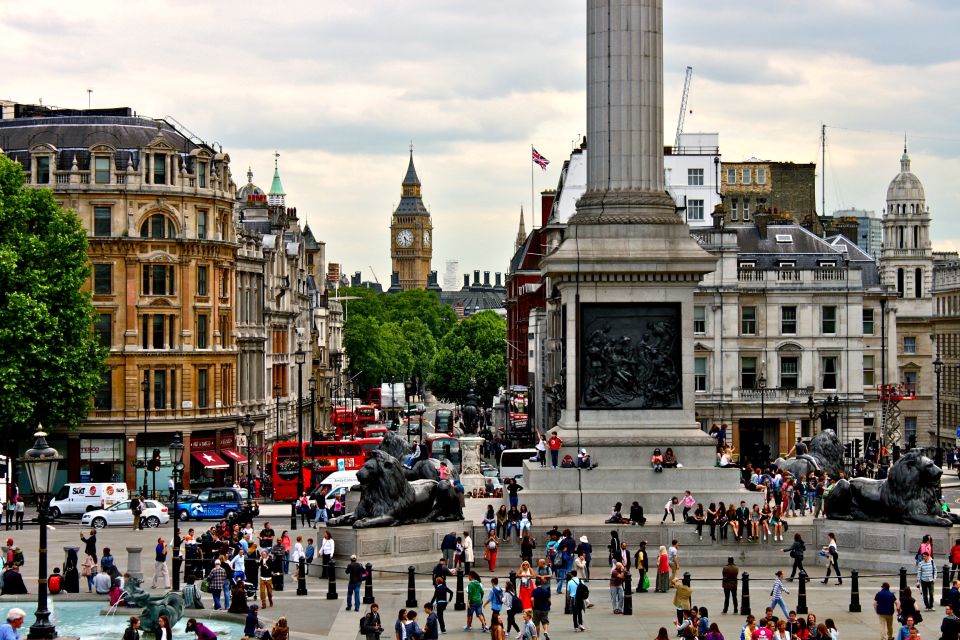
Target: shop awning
(234, 455)
(210, 460)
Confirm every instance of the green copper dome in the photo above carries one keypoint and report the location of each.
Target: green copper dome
(276, 189)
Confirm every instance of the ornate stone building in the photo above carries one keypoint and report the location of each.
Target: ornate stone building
(411, 234)
(157, 205)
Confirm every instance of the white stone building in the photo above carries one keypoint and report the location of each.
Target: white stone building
(692, 176)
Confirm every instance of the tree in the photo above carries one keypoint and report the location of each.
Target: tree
(423, 305)
(378, 352)
(475, 348)
(423, 348)
(51, 362)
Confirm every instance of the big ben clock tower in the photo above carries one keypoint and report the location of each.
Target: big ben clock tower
(411, 234)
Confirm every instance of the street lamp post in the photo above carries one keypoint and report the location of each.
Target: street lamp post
(313, 399)
(176, 458)
(247, 425)
(937, 368)
(41, 464)
(276, 395)
(300, 357)
(145, 385)
(762, 385)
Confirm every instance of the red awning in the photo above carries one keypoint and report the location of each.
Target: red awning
(210, 460)
(234, 455)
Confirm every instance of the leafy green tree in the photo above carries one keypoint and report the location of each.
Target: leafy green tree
(423, 348)
(378, 352)
(423, 305)
(51, 363)
(475, 348)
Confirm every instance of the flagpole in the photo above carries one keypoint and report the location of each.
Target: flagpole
(533, 215)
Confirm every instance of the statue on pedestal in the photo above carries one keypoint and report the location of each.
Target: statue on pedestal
(825, 453)
(170, 605)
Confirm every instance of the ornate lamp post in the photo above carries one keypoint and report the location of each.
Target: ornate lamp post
(762, 385)
(300, 357)
(247, 425)
(145, 386)
(41, 464)
(176, 458)
(276, 395)
(937, 368)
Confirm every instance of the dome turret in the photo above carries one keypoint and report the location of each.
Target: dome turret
(905, 193)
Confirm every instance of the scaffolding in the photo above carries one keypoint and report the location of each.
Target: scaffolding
(890, 396)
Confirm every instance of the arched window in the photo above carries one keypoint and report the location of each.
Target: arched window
(158, 227)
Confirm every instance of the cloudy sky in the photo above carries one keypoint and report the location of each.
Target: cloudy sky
(342, 88)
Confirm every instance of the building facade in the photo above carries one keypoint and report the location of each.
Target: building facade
(946, 329)
(692, 176)
(777, 187)
(411, 234)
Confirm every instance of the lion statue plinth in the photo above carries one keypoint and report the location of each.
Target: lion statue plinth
(825, 454)
(428, 469)
(909, 495)
(387, 498)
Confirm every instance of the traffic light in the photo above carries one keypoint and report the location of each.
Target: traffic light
(848, 450)
(155, 461)
(856, 448)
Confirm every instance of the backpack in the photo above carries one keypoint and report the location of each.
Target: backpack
(583, 591)
(54, 583)
(18, 556)
(496, 596)
(515, 605)
(363, 625)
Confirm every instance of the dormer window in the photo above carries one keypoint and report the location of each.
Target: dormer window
(159, 168)
(101, 169)
(43, 169)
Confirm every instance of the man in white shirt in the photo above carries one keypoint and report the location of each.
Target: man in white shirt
(101, 583)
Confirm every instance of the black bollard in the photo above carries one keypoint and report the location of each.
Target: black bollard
(802, 593)
(745, 595)
(368, 585)
(411, 588)
(628, 595)
(686, 578)
(278, 568)
(302, 577)
(903, 581)
(854, 591)
(293, 516)
(459, 604)
(332, 580)
(945, 591)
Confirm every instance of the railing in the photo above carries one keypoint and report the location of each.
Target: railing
(829, 274)
(750, 275)
(910, 252)
(121, 178)
(84, 178)
(63, 178)
(770, 393)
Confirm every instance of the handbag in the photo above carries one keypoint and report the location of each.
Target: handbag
(645, 584)
(205, 586)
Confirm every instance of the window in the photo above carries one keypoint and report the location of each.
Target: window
(202, 401)
(202, 331)
(747, 176)
(279, 372)
(910, 430)
(790, 372)
(868, 371)
(699, 319)
(103, 399)
(280, 341)
(158, 280)
(746, 209)
(159, 168)
(159, 325)
(43, 170)
(224, 330)
(103, 279)
(909, 344)
(761, 176)
(918, 283)
(101, 170)
(159, 389)
(202, 280)
(748, 321)
(202, 174)
(828, 320)
(699, 374)
(788, 321)
(868, 322)
(731, 176)
(158, 227)
(104, 328)
(748, 372)
(202, 224)
(695, 177)
(101, 221)
(829, 369)
(694, 209)
(734, 211)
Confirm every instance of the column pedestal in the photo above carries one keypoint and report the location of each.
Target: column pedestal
(134, 567)
(470, 476)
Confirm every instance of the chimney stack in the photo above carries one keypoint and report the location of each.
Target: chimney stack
(762, 219)
(498, 281)
(486, 279)
(466, 281)
(476, 278)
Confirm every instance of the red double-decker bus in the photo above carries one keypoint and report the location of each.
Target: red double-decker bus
(319, 460)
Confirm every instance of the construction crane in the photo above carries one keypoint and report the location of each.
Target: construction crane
(374, 274)
(683, 105)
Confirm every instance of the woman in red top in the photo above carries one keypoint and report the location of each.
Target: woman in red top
(663, 571)
(525, 590)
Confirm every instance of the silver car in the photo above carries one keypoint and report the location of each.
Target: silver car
(154, 515)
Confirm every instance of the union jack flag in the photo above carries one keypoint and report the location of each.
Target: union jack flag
(539, 160)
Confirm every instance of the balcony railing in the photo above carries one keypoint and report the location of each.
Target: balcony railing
(770, 393)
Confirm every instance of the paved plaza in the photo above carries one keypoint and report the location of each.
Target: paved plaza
(314, 616)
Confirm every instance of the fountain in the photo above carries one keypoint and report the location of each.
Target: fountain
(169, 604)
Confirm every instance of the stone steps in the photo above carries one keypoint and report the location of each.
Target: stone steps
(630, 478)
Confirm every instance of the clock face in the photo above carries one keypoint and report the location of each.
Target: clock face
(426, 238)
(405, 238)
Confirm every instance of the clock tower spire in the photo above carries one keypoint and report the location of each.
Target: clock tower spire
(411, 233)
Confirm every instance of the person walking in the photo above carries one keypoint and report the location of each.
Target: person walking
(682, 598)
(641, 561)
(475, 602)
(448, 547)
(926, 575)
(372, 627)
(356, 574)
(160, 565)
(885, 605)
(21, 508)
(950, 625)
(586, 549)
(617, 575)
(541, 608)
(796, 551)
(730, 573)
(833, 561)
(529, 629)
(513, 607)
(578, 592)
(441, 597)
(135, 510)
(495, 599)
(215, 582)
(266, 579)
(776, 594)
(554, 445)
(663, 570)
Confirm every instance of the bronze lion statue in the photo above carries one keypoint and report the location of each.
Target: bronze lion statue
(909, 495)
(825, 454)
(387, 498)
(428, 469)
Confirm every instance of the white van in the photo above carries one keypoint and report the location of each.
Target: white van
(511, 463)
(335, 484)
(78, 498)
